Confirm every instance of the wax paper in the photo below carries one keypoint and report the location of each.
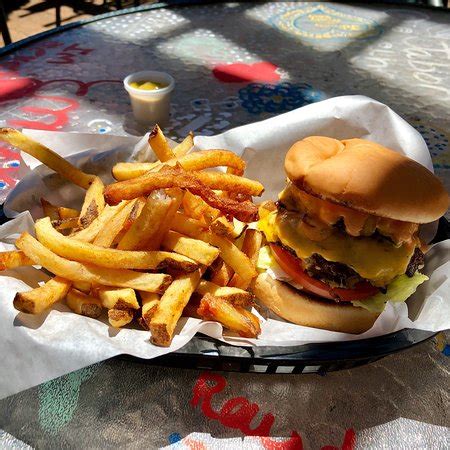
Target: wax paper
(39, 348)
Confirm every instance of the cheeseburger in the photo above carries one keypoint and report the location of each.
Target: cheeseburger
(344, 233)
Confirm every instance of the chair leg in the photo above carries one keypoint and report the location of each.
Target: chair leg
(118, 4)
(4, 25)
(58, 13)
(137, 2)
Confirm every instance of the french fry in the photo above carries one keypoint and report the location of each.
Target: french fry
(177, 197)
(41, 298)
(183, 147)
(66, 224)
(85, 252)
(82, 286)
(93, 204)
(117, 298)
(159, 145)
(236, 296)
(118, 318)
(46, 156)
(111, 229)
(150, 303)
(195, 207)
(142, 231)
(192, 248)
(131, 218)
(67, 213)
(186, 225)
(223, 227)
(13, 259)
(205, 159)
(49, 209)
(81, 303)
(229, 182)
(234, 318)
(250, 246)
(170, 307)
(221, 272)
(72, 270)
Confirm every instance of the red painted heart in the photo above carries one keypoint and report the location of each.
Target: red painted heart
(245, 73)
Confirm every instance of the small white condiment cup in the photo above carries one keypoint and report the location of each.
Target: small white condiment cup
(150, 107)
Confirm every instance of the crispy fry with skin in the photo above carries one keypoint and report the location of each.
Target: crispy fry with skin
(250, 246)
(13, 259)
(90, 233)
(117, 298)
(221, 272)
(41, 298)
(49, 209)
(222, 227)
(46, 156)
(150, 282)
(234, 318)
(131, 218)
(66, 224)
(142, 231)
(205, 159)
(192, 248)
(150, 303)
(82, 286)
(118, 318)
(176, 177)
(114, 226)
(183, 147)
(236, 296)
(67, 213)
(159, 145)
(93, 204)
(81, 303)
(107, 257)
(170, 307)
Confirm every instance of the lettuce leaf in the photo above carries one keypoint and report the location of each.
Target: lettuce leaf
(399, 290)
(265, 259)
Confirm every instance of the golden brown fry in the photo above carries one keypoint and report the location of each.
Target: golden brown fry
(236, 296)
(106, 257)
(195, 207)
(170, 307)
(150, 282)
(192, 248)
(234, 318)
(46, 156)
(150, 303)
(159, 145)
(114, 226)
(93, 204)
(67, 213)
(117, 298)
(131, 218)
(66, 224)
(82, 286)
(49, 209)
(186, 225)
(41, 298)
(205, 159)
(90, 233)
(177, 177)
(183, 147)
(142, 231)
(221, 272)
(250, 246)
(118, 318)
(13, 259)
(223, 227)
(83, 304)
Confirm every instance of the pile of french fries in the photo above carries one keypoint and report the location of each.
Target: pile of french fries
(167, 239)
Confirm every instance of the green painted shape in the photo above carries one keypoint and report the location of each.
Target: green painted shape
(58, 399)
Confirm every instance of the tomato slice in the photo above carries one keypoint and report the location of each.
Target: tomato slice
(294, 268)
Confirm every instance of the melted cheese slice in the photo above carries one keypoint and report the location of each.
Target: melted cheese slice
(377, 260)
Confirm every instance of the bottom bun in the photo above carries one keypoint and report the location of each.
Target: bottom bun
(297, 307)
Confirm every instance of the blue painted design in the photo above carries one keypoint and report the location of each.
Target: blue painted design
(257, 98)
(9, 164)
(446, 350)
(3, 185)
(174, 438)
(58, 399)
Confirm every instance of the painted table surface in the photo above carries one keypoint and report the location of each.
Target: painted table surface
(233, 64)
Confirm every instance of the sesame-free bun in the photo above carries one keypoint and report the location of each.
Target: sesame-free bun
(367, 177)
(297, 307)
